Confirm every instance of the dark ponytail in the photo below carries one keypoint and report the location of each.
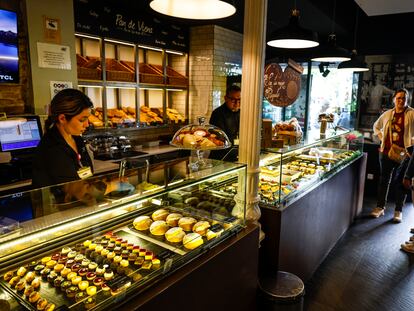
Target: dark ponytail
(69, 102)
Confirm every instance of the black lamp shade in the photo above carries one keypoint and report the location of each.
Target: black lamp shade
(354, 64)
(293, 36)
(331, 52)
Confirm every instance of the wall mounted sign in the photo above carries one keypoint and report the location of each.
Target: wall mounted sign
(53, 56)
(51, 30)
(131, 21)
(281, 88)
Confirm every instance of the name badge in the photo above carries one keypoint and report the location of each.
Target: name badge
(85, 172)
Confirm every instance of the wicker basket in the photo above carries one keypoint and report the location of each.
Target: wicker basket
(115, 71)
(148, 74)
(88, 68)
(173, 77)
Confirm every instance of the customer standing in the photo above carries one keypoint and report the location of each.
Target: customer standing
(395, 126)
(227, 118)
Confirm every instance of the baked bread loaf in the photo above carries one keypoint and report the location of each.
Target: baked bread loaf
(172, 219)
(187, 223)
(175, 235)
(192, 240)
(160, 214)
(159, 227)
(142, 223)
(201, 227)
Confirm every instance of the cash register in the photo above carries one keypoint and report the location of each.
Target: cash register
(19, 137)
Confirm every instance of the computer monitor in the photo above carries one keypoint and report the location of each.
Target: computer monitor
(20, 133)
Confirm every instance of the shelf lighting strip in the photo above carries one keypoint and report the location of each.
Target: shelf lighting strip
(174, 52)
(150, 89)
(121, 87)
(150, 48)
(175, 90)
(87, 36)
(119, 42)
(95, 86)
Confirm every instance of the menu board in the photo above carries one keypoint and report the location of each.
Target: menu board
(131, 21)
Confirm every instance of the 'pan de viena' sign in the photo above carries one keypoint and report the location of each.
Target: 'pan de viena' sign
(131, 21)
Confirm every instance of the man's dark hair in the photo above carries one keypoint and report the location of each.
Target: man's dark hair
(402, 90)
(233, 88)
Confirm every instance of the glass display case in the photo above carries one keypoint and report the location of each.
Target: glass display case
(286, 174)
(90, 244)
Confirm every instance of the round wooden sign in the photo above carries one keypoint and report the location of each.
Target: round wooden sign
(281, 88)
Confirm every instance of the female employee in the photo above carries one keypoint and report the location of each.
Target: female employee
(61, 155)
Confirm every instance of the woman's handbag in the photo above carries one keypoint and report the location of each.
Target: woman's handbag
(396, 153)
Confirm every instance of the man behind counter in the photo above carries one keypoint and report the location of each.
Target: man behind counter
(227, 118)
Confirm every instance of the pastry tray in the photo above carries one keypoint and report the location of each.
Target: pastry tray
(62, 302)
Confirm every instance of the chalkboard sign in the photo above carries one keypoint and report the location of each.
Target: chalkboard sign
(129, 21)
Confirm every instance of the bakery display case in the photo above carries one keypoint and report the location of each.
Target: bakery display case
(96, 243)
(289, 173)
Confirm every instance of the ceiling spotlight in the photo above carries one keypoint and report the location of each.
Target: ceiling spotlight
(194, 9)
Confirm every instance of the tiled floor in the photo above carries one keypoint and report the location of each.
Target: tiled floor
(367, 270)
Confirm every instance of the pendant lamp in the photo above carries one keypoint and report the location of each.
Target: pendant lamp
(293, 36)
(194, 9)
(331, 52)
(355, 64)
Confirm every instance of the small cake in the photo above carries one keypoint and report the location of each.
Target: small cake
(41, 304)
(50, 307)
(99, 248)
(65, 250)
(105, 288)
(52, 276)
(104, 252)
(100, 270)
(59, 267)
(21, 271)
(79, 258)
(63, 259)
(111, 255)
(98, 281)
(118, 250)
(142, 223)
(187, 223)
(90, 302)
(80, 296)
(20, 286)
(92, 246)
(159, 227)
(124, 263)
(34, 297)
(51, 263)
(44, 260)
(36, 283)
(28, 291)
(175, 235)
(156, 263)
(85, 262)
(87, 243)
(71, 275)
(109, 274)
(139, 261)
(92, 266)
(65, 271)
(130, 246)
(125, 254)
(201, 227)
(83, 271)
(146, 265)
(124, 243)
(192, 240)
(83, 285)
(58, 281)
(8, 275)
(76, 280)
(69, 263)
(71, 291)
(44, 273)
(160, 214)
(212, 234)
(75, 267)
(149, 255)
(65, 285)
(30, 277)
(14, 280)
(90, 276)
(38, 268)
(91, 290)
(117, 259)
(172, 219)
(136, 277)
(135, 249)
(132, 257)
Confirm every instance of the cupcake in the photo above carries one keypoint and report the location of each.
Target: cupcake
(100, 270)
(44, 260)
(51, 263)
(76, 280)
(51, 277)
(44, 273)
(160, 214)
(124, 263)
(90, 276)
(65, 271)
(92, 266)
(50, 307)
(71, 291)
(108, 275)
(71, 275)
(85, 262)
(91, 290)
(75, 267)
(98, 281)
(58, 267)
(65, 250)
(79, 258)
(89, 302)
(72, 254)
(80, 296)
(65, 285)
(83, 285)
(58, 281)
(83, 271)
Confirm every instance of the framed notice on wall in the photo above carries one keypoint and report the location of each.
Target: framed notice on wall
(51, 30)
(53, 56)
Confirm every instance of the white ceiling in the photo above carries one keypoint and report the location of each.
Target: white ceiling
(383, 7)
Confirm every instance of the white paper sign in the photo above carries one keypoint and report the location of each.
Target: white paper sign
(53, 56)
(57, 86)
